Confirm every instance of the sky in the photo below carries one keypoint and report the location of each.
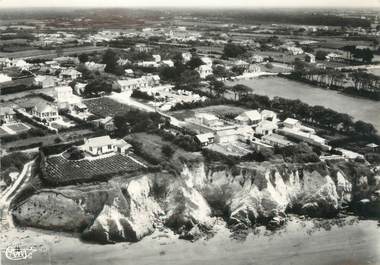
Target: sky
(191, 3)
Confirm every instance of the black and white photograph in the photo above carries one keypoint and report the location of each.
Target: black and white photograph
(203, 132)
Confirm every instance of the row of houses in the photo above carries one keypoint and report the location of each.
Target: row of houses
(254, 126)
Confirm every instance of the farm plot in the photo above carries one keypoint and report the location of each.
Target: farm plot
(18, 127)
(60, 171)
(3, 132)
(104, 107)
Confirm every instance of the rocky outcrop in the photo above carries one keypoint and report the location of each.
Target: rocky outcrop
(250, 193)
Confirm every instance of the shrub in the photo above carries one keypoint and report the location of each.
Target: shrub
(141, 95)
(167, 150)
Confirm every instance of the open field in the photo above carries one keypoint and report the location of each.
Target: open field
(35, 53)
(61, 171)
(152, 144)
(218, 110)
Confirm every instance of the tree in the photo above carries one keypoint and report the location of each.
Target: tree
(217, 86)
(321, 55)
(189, 79)
(233, 50)
(240, 90)
(221, 72)
(366, 55)
(167, 150)
(110, 59)
(83, 57)
(349, 49)
(59, 51)
(365, 129)
(97, 87)
(194, 62)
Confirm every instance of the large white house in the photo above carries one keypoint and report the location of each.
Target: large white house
(46, 111)
(104, 145)
(65, 97)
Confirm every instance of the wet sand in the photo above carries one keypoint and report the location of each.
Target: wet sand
(299, 243)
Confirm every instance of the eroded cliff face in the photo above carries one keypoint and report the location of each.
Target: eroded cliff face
(129, 209)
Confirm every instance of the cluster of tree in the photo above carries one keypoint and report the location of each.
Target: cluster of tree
(300, 153)
(137, 121)
(232, 50)
(318, 76)
(366, 81)
(366, 55)
(99, 86)
(286, 17)
(365, 84)
(259, 156)
(186, 142)
(110, 58)
(167, 150)
(184, 76)
(141, 95)
(14, 160)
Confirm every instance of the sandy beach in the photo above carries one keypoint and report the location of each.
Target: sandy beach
(299, 242)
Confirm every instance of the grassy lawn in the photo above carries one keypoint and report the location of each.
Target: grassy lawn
(152, 144)
(218, 110)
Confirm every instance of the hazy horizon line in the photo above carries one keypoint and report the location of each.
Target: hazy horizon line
(237, 7)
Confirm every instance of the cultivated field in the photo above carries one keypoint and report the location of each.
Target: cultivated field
(62, 171)
(104, 107)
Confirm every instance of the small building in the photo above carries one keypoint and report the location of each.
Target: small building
(7, 115)
(207, 61)
(265, 127)
(64, 97)
(5, 78)
(70, 74)
(207, 119)
(105, 145)
(227, 135)
(156, 58)
(292, 123)
(129, 72)
(92, 66)
(257, 59)
(168, 63)
(310, 58)
(108, 124)
(204, 71)
(99, 145)
(205, 139)
(251, 117)
(45, 81)
(142, 47)
(186, 57)
(122, 147)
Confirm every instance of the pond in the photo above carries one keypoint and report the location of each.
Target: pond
(359, 108)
